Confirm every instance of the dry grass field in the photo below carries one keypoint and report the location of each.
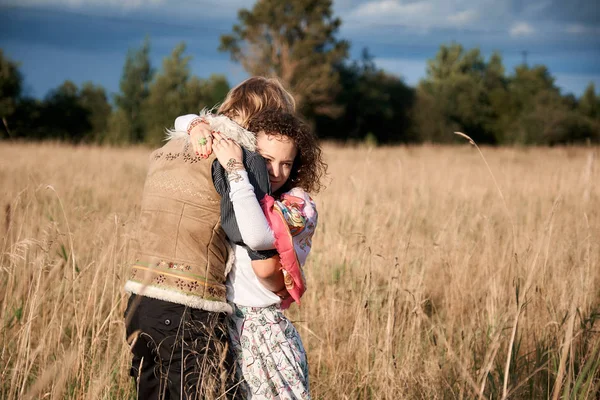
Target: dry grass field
(428, 280)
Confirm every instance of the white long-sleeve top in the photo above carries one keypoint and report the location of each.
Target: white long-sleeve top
(243, 287)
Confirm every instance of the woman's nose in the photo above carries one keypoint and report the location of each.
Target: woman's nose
(275, 171)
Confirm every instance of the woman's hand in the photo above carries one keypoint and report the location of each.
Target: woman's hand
(229, 154)
(201, 137)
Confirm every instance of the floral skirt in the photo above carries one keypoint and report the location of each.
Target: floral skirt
(269, 353)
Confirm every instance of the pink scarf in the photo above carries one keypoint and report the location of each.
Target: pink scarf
(293, 220)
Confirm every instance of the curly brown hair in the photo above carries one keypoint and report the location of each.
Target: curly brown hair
(309, 168)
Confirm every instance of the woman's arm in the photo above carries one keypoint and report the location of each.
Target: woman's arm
(254, 228)
(270, 275)
(252, 224)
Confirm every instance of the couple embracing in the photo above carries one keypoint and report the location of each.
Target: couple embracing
(226, 224)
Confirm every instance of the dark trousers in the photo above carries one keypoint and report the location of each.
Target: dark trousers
(179, 352)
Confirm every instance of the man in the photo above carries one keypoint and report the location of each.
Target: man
(175, 317)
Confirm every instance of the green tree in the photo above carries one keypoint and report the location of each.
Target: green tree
(550, 120)
(118, 132)
(66, 113)
(295, 41)
(375, 105)
(536, 113)
(206, 93)
(589, 104)
(27, 121)
(134, 86)
(496, 86)
(10, 89)
(167, 95)
(527, 83)
(63, 116)
(174, 91)
(456, 95)
(94, 99)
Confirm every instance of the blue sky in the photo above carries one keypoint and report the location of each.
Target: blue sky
(87, 40)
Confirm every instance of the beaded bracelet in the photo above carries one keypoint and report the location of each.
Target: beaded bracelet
(195, 122)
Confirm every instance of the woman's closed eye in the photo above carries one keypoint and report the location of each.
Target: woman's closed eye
(272, 162)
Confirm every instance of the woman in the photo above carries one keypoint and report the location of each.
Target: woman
(270, 354)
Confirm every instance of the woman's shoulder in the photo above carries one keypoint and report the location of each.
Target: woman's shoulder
(300, 199)
(300, 193)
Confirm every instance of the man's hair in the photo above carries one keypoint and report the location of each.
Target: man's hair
(308, 168)
(255, 95)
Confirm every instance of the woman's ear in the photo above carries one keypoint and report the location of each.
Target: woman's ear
(295, 168)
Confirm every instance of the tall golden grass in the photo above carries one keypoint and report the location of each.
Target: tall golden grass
(431, 277)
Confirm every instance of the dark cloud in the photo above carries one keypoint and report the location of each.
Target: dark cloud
(585, 12)
(68, 29)
(90, 43)
(54, 45)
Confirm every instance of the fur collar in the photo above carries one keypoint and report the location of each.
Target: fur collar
(223, 124)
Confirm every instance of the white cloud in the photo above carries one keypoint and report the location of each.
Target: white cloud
(532, 8)
(578, 29)
(171, 10)
(420, 14)
(521, 29)
(393, 8)
(575, 28)
(123, 4)
(463, 18)
(504, 18)
(176, 8)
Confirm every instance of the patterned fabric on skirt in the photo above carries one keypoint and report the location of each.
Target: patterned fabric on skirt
(269, 353)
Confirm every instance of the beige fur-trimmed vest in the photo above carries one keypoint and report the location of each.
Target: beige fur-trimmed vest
(182, 249)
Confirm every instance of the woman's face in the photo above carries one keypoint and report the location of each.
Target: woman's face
(279, 153)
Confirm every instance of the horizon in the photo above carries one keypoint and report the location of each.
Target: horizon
(87, 41)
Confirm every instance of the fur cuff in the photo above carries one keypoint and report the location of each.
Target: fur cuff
(222, 124)
(178, 298)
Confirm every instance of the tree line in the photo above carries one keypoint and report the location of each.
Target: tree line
(148, 101)
(346, 100)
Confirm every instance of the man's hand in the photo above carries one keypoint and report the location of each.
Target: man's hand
(200, 137)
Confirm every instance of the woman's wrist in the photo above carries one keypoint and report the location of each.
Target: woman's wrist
(234, 164)
(282, 293)
(233, 168)
(275, 285)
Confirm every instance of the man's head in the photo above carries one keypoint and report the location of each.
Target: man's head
(255, 95)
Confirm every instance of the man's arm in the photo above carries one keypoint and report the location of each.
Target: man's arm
(197, 129)
(182, 123)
